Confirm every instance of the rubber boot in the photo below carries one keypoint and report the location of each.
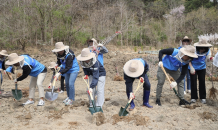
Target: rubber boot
(146, 99)
(132, 105)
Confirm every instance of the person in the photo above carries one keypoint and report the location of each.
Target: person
(198, 70)
(96, 73)
(98, 49)
(186, 41)
(53, 66)
(3, 56)
(173, 60)
(32, 67)
(70, 68)
(135, 69)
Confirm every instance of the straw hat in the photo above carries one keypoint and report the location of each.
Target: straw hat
(59, 46)
(13, 58)
(189, 51)
(4, 53)
(52, 65)
(186, 38)
(133, 68)
(85, 55)
(202, 43)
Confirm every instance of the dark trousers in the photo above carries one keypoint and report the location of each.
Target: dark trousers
(62, 83)
(200, 74)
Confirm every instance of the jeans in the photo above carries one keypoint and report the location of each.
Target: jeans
(188, 80)
(69, 82)
(1, 79)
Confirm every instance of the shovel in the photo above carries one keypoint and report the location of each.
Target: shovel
(16, 93)
(93, 109)
(170, 82)
(123, 111)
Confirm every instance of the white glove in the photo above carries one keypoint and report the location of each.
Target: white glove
(173, 85)
(57, 75)
(100, 45)
(160, 63)
(131, 95)
(210, 59)
(192, 70)
(15, 80)
(90, 90)
(49, 86)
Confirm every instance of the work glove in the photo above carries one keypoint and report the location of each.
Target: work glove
(90, 90)
(173, 85)
(100, 45)
(192, 70)
(56, 76)
(160, 63)
(131, 95)
(49, 86)
(86, 77)
(141, 79)
(15, 80)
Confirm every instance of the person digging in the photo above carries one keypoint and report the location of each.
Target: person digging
(198, 70)
(173, 60)
(31, 67)
(135, 69)
(96, 74)
(70, 68)
(98, 49)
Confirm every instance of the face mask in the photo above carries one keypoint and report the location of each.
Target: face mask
(89, 64)
(2, 59)
(179, 58)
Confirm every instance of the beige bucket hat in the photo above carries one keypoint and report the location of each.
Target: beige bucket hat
(133, 68)
(85, 55)
(202, 43)
(4, 53)
(52, 65)
(59, 46)
(189, 51)
(13, 58)
(186, 38)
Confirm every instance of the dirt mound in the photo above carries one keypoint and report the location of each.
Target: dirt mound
(99, 118)
(118, 78)
(192, 106)
(208, 115)
(73, 124)
(57, 114)
(137, 119)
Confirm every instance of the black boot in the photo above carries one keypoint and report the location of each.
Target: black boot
(158, 102)
(183, 102)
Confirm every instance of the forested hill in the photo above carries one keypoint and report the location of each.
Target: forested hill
(143, 22)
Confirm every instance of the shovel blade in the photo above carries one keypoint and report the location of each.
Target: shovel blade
(96, 109)
(17, 94)
(51, 96)
(123, 112)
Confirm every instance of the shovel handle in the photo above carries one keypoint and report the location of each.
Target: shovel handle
(87, 83)
(15, 71)
(139, 85)
(165, 73)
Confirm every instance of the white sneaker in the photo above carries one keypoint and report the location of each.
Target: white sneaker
(68, 102)
(65, 100)
(28, 102)
(203, 101)
(184, 92)
(193, 100)
(189, 91)
(61, 91)
(41, 103)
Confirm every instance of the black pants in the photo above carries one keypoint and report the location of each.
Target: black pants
(201, 78)
(62, 83)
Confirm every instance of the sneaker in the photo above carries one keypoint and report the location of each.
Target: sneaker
(158, 102)
(61, 91)
(193, 100)
(41, 102)
(65, 99)
(28, 102)
(184, 93)
(189, 91)
(69, 102)
(203, 101)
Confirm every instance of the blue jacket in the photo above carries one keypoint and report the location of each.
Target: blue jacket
(97, 70)
(199, 63)
(102, 50)
(170, 61)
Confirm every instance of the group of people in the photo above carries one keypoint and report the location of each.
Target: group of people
(186, 60)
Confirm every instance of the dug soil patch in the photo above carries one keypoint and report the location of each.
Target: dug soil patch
(208, 115)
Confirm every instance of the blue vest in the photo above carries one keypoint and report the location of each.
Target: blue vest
(37, 67)
(100, 59)
(75, 66)
(170, 62)
(140, 59)
(199, 63)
